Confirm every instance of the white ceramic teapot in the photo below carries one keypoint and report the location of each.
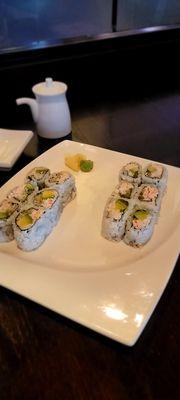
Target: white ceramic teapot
(50, 110)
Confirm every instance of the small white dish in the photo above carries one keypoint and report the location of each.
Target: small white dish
(108, 287)
(12, 144)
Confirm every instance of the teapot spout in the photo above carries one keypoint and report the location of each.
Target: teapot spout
(33, 105)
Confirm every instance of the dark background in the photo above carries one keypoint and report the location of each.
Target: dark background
(117, 68)
(131, 79)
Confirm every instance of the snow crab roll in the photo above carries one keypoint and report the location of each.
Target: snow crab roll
(64, 182)
(31, 227)
(8, 210)
(38, 175)
(114, 218)
(49, 200)
(140, 226)
(34, 223)
(22, 194)
(149, 195)
(125, 189)
(131, 172)
(155, 173)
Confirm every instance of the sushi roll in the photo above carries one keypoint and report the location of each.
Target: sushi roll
(22, 194)
(50, 201)
(31, 227)
(140, 226)
(33, 224)
(64, 182)
(114, 218)
(8, 210)
(38, 175)
(149, 195)
(131, 172)
(125, 189)
(155, 173)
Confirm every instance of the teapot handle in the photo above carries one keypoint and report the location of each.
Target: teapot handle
(33, 105)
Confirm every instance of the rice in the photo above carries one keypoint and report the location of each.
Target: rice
(156, 174)
(144, 193)
(34, 223)
(23, 193)
(64, 182)
(114, 218)
(30, 211)
(132, 172)
(140, 226)
(125, 189)
(38, 175)
(149, 195)
(8, 211)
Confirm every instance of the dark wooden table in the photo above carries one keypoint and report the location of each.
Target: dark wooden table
(46, 356)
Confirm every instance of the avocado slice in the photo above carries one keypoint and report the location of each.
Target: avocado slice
(121, 205)
(141, 214)
(4, 214)
(24, 221)
(48, 194)
(29, 188)
(134, 172)
(38, 198)
(41, 170)
(150, 169)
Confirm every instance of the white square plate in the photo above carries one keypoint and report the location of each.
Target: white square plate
(108, 287)
(12, 144)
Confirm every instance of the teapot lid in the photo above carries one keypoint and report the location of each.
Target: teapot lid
(49, 88)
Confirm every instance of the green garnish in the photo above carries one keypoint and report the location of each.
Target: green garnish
(141, 214)
(86, 165)
(121, 205)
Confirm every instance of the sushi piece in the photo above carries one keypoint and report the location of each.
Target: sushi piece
(38, 175)
(140, 226)
(132, 172)
(114, 218)
(64, 182)
(155, 173)
(50, 201)
(33, 224)
(125, 189)
(149, 195)
(31, 227)
(22, 194)
(8, 210)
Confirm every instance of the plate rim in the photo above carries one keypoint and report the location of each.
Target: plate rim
(7, 276)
